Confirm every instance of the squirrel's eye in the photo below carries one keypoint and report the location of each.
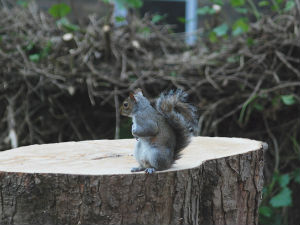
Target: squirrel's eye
(125, 104)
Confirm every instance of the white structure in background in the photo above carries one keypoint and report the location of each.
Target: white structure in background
(190, 18)
(191, 21)
(119, 11)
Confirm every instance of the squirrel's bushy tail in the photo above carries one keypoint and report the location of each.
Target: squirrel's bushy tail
(180, 115)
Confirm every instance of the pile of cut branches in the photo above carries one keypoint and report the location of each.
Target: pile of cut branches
(53, 80)
(59, 85)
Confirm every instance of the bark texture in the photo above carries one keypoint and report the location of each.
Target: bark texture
(221, 191)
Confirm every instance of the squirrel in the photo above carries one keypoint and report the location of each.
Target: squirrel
(162, 131)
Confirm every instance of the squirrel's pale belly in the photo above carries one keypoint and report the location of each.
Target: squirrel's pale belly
(152, 157)
(143, 153)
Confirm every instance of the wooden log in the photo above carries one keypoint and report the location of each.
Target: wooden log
(217, 181)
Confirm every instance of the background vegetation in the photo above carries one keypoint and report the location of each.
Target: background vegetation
(61, 81)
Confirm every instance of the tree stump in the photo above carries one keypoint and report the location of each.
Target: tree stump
(217, 181)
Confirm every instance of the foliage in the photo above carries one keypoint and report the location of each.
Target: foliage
(288, 99)
(277, 195)
(127, 3)
(59, 10)
(245, 9)
(240, 26)
(157, 18)
(22, 3)
(221, 30)
(206, 10)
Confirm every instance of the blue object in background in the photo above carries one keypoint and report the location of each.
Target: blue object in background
(191, 21)
(119, 11)
(190, 14)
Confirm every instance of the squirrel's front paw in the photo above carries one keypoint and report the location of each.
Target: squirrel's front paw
(149, 170)
(137, 169)
(133, 130)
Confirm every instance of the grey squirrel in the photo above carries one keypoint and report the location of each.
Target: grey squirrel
(162, 131)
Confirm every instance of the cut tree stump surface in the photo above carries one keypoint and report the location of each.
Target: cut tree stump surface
(112, 156)
(217, 181)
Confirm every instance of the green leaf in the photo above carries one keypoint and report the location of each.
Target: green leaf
(221, 30)
(203, 10)
(22, 3)
(136, 3)
(212, 37)
(131, 3)
(217, 2)
(157, 18)
(265, 211)
(282, 199)
(64, 22)
(119, 18)
(289, 5)
(144, 30)
(206, 10)
(34, 57)
(250, 41)
(284, 180)
(59, 10)
(173, 74)
(181, 19)
(240, 26)
(258, 107)
(237, 3)
(237, 31)
(288, 99)
(275, 6)
(71, 27)
(241, 10)
(263, 3)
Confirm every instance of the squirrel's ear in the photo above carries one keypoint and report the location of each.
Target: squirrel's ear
(132, 96)
(138, 91)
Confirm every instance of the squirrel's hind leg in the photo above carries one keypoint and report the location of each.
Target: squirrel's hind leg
(159, 159)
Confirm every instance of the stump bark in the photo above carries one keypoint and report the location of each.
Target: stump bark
(217, 181)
